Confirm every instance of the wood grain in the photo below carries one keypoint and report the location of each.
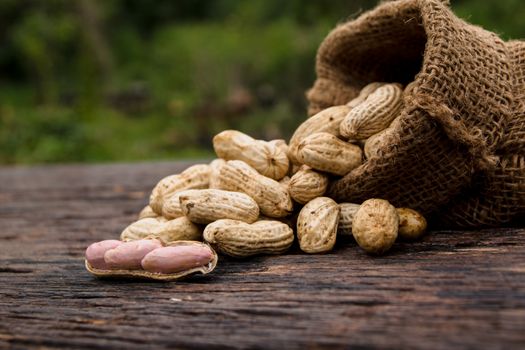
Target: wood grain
(451, 290)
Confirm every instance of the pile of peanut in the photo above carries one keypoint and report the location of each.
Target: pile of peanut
(259, 196)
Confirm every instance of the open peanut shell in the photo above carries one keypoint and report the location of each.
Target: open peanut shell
(141, 274)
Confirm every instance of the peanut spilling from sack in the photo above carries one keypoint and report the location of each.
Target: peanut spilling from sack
(252, 198)
(197, 176)
(326, 152)
(328, 120)
(215, 166)
(206, 206)
(165, 230)
(307, 184)
(364, 93)
(268, 158)
(239, 239)
(273, 200)
(375, 226)
(374, 114)
(346, 217)
(411, 223)
(317, 225)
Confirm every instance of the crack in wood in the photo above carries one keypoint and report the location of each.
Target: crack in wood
(7, 269)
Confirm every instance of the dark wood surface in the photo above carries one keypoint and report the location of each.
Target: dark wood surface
(450, 290)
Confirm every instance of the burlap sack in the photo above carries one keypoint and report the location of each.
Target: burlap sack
(497, 196)
(458, 151)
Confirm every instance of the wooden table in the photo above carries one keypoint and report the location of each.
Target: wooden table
(452, 289)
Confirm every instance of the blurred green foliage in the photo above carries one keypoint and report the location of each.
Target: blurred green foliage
(93, 80)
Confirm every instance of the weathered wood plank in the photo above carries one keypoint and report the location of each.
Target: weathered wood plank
(452, 289)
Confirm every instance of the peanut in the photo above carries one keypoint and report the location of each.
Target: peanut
(285, 182)
(239, 239)
(374, 143)
(325, 152)
(307, 184)
(281, 144)
(215, 165)
(327, 120)
(140, 229)
(197, 176)
(346, 217)
(171, 208)
(205, 206)
(147, 212)
(374, 114)
(272, 198)
(375, 226)
(128, 255)
(179, 229)
(265, 157)
(364, 93)
(317, 225)
(412, 224)
(167, 231)
(175, 259)
(181, 259)
(95, 252)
